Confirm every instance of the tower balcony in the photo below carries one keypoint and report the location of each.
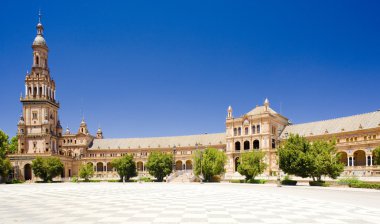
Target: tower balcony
(37, 98)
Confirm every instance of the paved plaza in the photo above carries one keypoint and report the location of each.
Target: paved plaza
(184, 203)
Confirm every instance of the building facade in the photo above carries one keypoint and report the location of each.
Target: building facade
(262, 128)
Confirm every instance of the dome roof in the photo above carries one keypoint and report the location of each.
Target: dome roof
(39, 40)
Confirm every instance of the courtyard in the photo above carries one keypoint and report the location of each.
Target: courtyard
(185, 203)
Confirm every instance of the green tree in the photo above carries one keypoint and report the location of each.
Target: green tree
(252, 164)
(5, 167)
(86, 171)
(297, 156)
(159, 165)
(291, 156)
(211, 162)
(323, 160)
(13, 145)
(4, 144)
(376, 156)
(125, 167)
(5, 164)
(47, 168)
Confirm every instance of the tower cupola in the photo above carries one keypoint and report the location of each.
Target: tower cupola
(229, 112)
(99, 133)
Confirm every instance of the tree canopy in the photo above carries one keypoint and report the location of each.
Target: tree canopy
(159, 165)
(297, 156)
(252, 164)
(86, 171)
(376, 156)
(5, 164)
(47, 168)
(125, 167)
(211, 161)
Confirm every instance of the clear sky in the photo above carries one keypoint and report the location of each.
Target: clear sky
(162, 68)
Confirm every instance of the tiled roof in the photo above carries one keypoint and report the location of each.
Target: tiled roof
(260, 110)
(334, 126)
(159, 142)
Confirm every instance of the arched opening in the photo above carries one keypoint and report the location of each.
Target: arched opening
(37, 60)
(237, 146)
(109, 167)
(178, 165)
(63, 173)
(253, 130)
(239, 131)
(189, 165)
(99, 167)
(343, 157)
(237, 163)
(359, 158)
(273, 144)
(246, 145)
(256, 144)
(34, 91)
(258, 128)
(140, 166)
(27, 172)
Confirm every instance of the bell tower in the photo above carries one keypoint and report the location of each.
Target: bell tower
(39, 127)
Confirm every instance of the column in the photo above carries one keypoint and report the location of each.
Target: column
(366, 160)
(348, 161)
(26, 90)
(371, 160)
(38, 90)
(353, 162)
(32, 89)
(55, 97)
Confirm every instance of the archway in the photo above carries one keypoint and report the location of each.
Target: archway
(189, 165)
(99, 167)
(237, 146)
(178, 165)
(359, 158)
(27, 172)
(343, 158)
(256, 144)
(109, 167)
(246, 145)
(237, 163)
(139, 166)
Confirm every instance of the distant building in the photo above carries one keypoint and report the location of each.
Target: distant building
(40, 134)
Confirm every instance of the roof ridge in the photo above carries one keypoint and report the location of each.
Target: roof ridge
(175, 136)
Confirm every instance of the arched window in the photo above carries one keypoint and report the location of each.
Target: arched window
(258, 128)
(235, 131)
(273, 144)
(253, 129)
(99, 167)
(246, 145)
(239, 131)
(246, 131)
(256, 144)
(37, 60)
(237, 146)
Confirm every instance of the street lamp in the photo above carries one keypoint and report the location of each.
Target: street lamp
(174, 151)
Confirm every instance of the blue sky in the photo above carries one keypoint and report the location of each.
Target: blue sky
(161, 68)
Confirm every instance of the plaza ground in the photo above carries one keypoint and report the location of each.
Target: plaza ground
(185, 203)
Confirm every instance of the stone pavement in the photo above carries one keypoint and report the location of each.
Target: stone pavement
(183, 203)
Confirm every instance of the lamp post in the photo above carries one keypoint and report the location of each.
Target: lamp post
(174, 151)
(279, 170)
